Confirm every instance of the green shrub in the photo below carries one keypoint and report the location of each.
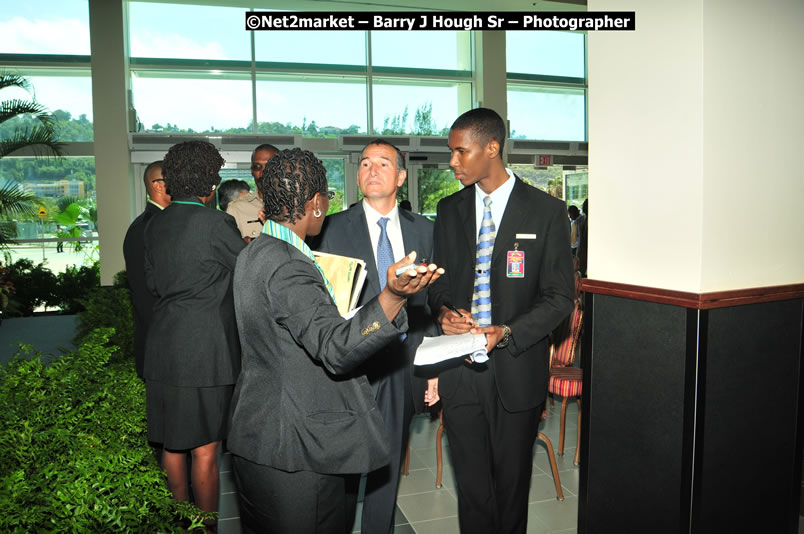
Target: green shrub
(108, 307)
(74, 456)
(34, 286)
(73, 285)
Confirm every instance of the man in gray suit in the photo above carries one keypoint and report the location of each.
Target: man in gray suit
(378, 232)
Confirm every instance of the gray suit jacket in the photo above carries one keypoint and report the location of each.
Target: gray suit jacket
(346, 233)
(297, 404)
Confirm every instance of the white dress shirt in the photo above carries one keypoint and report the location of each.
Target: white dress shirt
(392, 227)
(499, 199)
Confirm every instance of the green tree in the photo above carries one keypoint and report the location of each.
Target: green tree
(39, 134)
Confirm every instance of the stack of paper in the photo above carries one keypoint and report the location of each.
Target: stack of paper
(347, 276)
(437, 349)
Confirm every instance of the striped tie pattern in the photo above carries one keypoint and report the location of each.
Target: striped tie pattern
(385, 256)
(481, 297)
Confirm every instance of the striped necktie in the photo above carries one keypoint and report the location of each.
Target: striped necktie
(385, 256)
(481, 298)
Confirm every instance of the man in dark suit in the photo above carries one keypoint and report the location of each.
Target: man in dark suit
(503, 245)
(364, 231)
(134, 254)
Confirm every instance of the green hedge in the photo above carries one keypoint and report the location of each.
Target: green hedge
(74, 455)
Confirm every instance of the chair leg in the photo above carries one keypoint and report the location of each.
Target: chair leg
(439, 464)
(551, 454)
(563, 424)
(578, 443)
(406, 462)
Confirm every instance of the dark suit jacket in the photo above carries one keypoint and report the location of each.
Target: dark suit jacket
(141, 298)
(346, 233)
(532, 306)
(297, 404)
(190, 254)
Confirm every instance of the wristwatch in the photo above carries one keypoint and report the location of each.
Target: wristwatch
(506, 337)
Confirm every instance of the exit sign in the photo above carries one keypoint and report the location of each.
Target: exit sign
(545, 160)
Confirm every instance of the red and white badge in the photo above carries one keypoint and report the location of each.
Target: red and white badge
(516, 263)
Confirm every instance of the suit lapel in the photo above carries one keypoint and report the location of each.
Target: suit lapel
(466, 214)
(515, 211)
(410, 237)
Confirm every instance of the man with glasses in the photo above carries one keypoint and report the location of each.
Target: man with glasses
(246, 209)
(134, 254)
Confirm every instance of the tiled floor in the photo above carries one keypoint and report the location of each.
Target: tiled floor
(424, 509)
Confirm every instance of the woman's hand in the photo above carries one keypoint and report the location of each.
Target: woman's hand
(413, 280)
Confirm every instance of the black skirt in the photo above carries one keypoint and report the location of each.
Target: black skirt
(183, 418)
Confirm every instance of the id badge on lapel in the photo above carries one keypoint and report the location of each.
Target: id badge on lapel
(516, 263)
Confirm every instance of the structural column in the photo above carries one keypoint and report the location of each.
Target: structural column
(112, 159)
(692, 349)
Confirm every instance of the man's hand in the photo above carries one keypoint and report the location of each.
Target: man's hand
(431, 395)
(452, 323)
(494, 335)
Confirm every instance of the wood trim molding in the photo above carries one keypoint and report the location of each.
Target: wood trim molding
(700, 301)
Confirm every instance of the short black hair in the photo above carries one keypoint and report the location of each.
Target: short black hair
(264, 146)
(485, 124)
(151, 166)
(400, 157)
(289, 180)
(230, 190)
(574, 212)
(191, 169)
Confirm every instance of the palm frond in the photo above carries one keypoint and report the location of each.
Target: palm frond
(17, 107)
(11, 79)
(39, 138)
(14, 200)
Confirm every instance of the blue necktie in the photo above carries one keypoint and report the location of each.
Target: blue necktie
(481, 297)
(385, 256)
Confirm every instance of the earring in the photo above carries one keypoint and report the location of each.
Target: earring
(213, 187)
(317, 213)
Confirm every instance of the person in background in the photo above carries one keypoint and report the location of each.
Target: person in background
(142, 299)
(192, 355)
(229, 191)
(573, 213)
(246, 209)
(304, 421)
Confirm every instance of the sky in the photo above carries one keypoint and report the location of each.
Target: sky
(202, 32)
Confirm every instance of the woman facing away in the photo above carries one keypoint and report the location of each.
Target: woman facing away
(192, 349)
(302, 422)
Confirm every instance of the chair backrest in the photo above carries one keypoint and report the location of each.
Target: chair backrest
(565, 340)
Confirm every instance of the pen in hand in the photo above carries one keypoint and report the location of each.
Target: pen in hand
(453, 308)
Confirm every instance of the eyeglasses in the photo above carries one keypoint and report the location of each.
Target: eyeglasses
(257, 166)
(330, 195)
(157, 180)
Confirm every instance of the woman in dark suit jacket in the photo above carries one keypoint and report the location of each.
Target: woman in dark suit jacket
(192, 351)
(302, 422)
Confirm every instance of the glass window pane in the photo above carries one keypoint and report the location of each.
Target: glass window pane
(58, 183)
(313, 106)
(192, 105)
(335, 182)
(417, 107)
(414, 49)
(160, 30)
(327, 47)
(67, 96)
(557, 114)
(544, 52)
(435, 184)
(547, 179)
(45, 27)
